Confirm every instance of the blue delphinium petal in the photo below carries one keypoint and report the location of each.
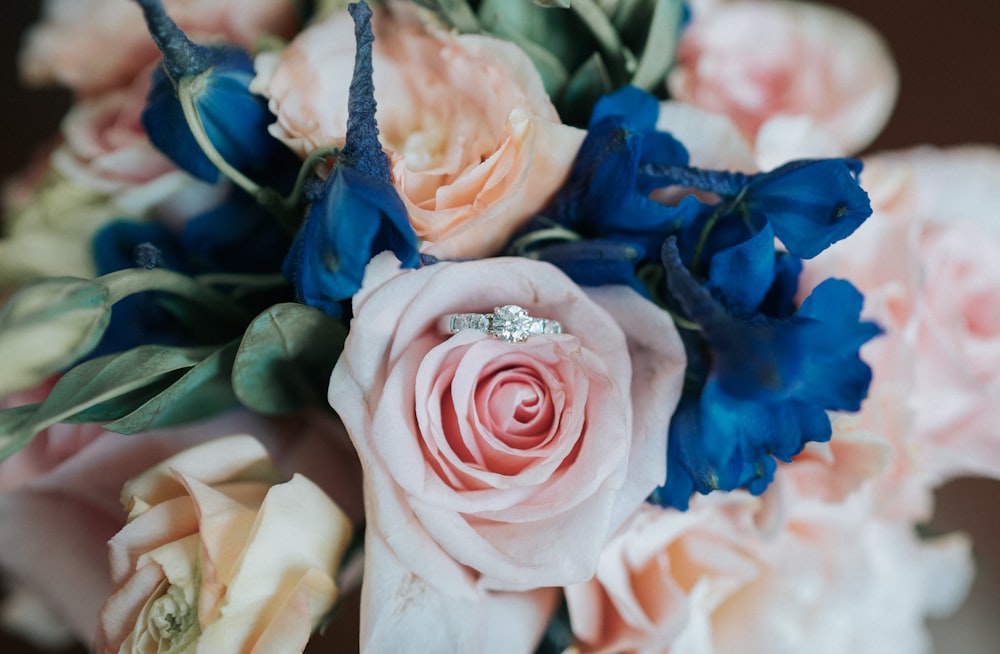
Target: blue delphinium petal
(810, 204)
(599, 198)
(835, 376)
(235, 120)
(595, 262)
(769, 382)
(640, 111)
(741, 275)
(780, 299)
(357, 212)
(238, 236)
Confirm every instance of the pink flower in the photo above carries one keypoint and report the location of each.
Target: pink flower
(476, 146)
(808, 567)
(105, 149)
(798, 79)
(220, 554)
(496, 465)
(926, 261)
(71, 44)
(60, 496)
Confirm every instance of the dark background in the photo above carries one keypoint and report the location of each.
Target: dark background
(948, 55)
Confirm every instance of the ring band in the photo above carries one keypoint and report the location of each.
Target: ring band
(508, 323)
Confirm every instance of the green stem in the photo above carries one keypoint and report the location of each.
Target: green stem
(710, 224)
(554, 233)
(603, 30)
(123, 283)
(186, 91)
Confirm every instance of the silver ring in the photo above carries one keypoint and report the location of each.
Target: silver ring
(509, 323)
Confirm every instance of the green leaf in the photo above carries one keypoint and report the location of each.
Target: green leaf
(552, 4)
(286, 357)
(558, 33)
(204, 390)
(585, 87)
(108, 387)
(660, 48)
(47, 325)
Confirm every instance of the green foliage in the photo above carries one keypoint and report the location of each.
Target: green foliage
(122, 387)
(586, 48)
(285, 359)
(48, 325)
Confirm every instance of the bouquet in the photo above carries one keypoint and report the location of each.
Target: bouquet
(517, 326)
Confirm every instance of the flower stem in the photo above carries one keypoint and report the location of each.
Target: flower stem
(186, 89)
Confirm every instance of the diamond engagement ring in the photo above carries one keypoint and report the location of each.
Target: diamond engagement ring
(509, 323)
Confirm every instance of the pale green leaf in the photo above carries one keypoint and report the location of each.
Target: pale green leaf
(204, 390)
(285, 359)
(585, 87)
(47, 325)
(108, 387)
(660, 49)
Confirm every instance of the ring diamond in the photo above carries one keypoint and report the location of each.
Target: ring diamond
(509, 323)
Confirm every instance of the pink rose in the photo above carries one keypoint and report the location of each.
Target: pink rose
(475, 145)
(810, 566)
(504, 465)
(106, 149)
(71, 43)
(60, 496)
(220, 554)
(926, 261)
(798, 79)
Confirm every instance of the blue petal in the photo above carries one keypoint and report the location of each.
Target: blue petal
(834, 376)
(810, 204)
(741, 438)
(237, 236)
(780, 300)
(639, 108)
(595, 262)
(742, 274)
(235, 120)
(357, 218)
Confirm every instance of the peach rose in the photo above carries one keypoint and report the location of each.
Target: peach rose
(798, 79)
(497, 465)
(807, 567)
(95, 45)
(220, 556)
(926, 261)
(475, 145)
(60, 496)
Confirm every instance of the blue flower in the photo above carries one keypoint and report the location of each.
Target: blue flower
(768, 383)
(357, 212)
(810, 204)
(234, 120)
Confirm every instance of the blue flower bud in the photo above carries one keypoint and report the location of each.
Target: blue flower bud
(216, 80)
(357, 212)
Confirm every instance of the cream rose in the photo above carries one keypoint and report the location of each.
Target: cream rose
(497, 465)
(220, 556)
(798, 79)
(475, 145)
